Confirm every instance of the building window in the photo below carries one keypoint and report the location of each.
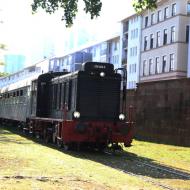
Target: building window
(151, 41)
(172, 34)
(158, 41)
(115, 46)
(135, 68)
(144, 67)
(173, 9)
(146, 21)
(131, 34)
(136, 32)
(135, 51)
(171, 62)
(157, 65)
(166, 13)
(94, 52)
(151, 70)
(188, 8)
(165, 36)
(145, 42)
(187, 33)
(131, 51)
(159, 18)
(152, 18)
(164, 63)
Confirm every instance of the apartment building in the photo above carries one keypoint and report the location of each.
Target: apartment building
(70, 62)
(131, 45)
(107, 50)
(165, 37)
(27, 74)
(113, 51)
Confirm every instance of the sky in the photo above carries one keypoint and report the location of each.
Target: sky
(41, 33)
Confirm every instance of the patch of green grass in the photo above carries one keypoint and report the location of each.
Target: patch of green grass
(20, 156)
(174, 156)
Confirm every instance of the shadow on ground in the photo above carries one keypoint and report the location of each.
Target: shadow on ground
(126, 162)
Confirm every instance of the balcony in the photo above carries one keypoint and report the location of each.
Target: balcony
(125, 27)
(124, 61)
(125, 44)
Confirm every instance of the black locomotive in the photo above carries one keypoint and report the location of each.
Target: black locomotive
(72, 109)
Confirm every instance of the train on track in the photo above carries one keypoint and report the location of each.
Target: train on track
(82, 108)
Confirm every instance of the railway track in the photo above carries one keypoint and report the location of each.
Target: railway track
(163, 170)
(172, 171)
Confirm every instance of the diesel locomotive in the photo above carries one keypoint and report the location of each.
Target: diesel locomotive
(83, 108)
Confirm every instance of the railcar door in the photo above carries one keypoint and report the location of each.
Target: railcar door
(33, 99)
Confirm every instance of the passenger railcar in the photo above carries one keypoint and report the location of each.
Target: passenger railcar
(74, 109)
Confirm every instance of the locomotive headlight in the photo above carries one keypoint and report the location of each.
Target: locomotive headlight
(76, 114)
(121, 117)
(102, 74)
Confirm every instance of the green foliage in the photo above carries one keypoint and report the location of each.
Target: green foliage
(140, 5)
(70, 7)
(2, 63)
(3, 74)
(2, 46)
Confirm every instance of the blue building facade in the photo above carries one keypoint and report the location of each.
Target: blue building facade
(14, 63)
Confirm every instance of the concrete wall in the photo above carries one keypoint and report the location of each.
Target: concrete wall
(163, 111)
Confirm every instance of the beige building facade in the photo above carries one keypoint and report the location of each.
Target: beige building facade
(164, 42)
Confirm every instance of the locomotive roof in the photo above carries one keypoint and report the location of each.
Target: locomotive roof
(68, 75)
(87, 67)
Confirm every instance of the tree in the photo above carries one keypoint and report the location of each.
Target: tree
(140, 5)
(2, 48)
(93, 7)
(3, 74)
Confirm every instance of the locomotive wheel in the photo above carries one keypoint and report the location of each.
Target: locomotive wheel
(46, 139)
(66, 146)
(101, 147)
(59, 143)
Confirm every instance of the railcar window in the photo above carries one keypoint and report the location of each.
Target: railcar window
(21, 92)
(17, 93)
(14, 94)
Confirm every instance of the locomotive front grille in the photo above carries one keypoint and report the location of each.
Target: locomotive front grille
(99, 98)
